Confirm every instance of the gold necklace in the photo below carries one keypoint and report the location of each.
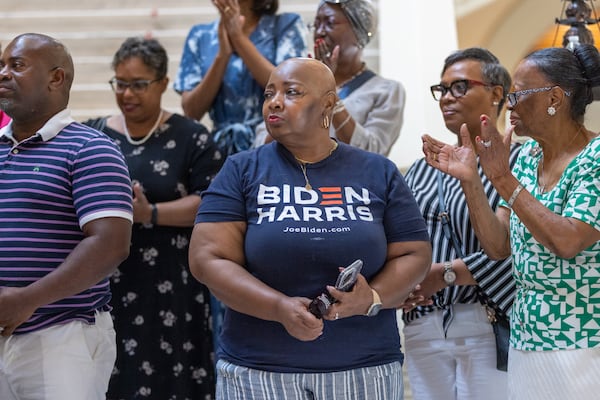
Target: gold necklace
(362, 69)
(541, 179)
(303, 169)
(303, 164)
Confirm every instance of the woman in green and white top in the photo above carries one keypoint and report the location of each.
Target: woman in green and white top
(549, 221)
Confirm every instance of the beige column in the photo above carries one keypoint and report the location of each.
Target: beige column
(415, 37)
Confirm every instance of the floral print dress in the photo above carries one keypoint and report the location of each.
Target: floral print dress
(161, 313)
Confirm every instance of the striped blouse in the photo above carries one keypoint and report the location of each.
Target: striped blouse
(494, 276)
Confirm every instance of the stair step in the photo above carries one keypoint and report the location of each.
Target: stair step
(93, 30)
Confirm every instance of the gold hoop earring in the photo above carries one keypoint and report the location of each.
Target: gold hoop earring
(325, 123)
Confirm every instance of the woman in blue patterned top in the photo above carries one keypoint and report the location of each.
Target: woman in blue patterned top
(549, 221)
(226, 64)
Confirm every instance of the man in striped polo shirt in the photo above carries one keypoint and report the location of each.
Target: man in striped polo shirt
(65, 225)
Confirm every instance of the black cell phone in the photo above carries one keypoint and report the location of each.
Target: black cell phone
(345, 281)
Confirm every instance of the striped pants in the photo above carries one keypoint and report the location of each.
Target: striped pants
(382, 382)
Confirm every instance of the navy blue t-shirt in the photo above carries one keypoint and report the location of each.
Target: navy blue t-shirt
(296, 241)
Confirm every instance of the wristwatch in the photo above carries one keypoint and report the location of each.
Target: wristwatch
(375, 306)
(449, 274)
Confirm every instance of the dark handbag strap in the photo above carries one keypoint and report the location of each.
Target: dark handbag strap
(448, 313)
(445, 219)
(355, 83)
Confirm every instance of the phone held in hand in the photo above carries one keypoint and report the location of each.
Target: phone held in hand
(345, 281)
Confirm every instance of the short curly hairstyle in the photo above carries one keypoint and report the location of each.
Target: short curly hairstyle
(150, 51)
(492, 71)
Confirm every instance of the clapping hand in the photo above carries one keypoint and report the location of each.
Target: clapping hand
(225, 48)
(457, 161)
(231, 21)
(493, 149)
(326, 55)
(227, 8)
(461, 161)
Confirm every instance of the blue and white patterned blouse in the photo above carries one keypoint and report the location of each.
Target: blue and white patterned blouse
(237, 108)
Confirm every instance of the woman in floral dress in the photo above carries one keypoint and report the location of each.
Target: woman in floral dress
(161, 313)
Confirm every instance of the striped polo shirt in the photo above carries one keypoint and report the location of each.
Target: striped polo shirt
(51, 185)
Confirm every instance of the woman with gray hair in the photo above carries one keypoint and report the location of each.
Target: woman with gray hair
(370, 110)
(369, 113)
(548, 219)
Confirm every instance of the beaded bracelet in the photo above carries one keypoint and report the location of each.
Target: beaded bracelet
(338, 107)
(340, 126)
(514, 195)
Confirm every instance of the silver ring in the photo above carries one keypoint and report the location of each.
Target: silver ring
(328, 54)
(487, 143)
(337, 315)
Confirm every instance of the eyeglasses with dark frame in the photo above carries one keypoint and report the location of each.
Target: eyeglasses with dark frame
(138, 86)
(457, 88)
(512, 98)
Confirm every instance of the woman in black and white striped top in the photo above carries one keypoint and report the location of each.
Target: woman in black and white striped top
(449, 342)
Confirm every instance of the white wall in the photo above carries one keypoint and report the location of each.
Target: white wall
(415, 37)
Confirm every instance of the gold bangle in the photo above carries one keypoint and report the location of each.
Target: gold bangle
(514, 195)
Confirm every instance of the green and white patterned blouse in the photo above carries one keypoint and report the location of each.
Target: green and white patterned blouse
(557, 305)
